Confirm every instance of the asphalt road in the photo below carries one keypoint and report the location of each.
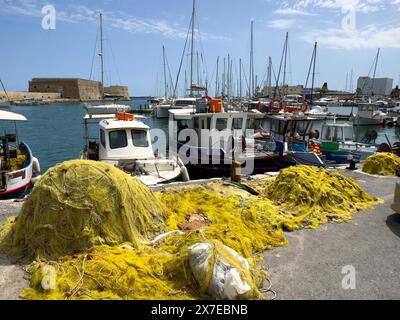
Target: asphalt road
(311, 266)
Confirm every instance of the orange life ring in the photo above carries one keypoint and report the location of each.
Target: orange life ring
(271, 105)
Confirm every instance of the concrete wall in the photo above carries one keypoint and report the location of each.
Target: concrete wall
(379, 86)
(117, 91)
(14, 96)
(283, 90)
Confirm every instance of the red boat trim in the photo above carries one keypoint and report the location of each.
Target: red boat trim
(13, 190)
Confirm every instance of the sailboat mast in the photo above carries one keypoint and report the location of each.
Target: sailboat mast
(251, 93)
(376, 65)
(165, 74)
(285, 61)
(240, 77)
(269, 79)
(217, 79)
(192, 48)
(102, 55)
(313, 74)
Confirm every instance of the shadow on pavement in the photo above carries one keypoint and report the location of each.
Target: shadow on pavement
(393, 222)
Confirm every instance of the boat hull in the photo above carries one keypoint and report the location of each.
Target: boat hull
(19, 181)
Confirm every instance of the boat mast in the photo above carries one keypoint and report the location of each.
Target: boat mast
(284, 67)
(376, 65)
(312, 65)
(269, 78)
(251, 93)
(240, 77)
(313, 74)
(217, 79)
(165, 75)
(192, 48)
(102, 55)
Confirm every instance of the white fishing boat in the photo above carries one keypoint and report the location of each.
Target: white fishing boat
(162, 110)
(125, 142)
(106, 108)
(18, 167)
(369, 114)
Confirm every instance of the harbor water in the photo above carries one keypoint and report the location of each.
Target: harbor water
(55, 133)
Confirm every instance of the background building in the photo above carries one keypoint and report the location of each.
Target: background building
(282, 90)
(377, 86)
(77, 89)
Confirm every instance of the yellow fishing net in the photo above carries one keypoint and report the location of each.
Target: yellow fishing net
(309, 196)
(79, 204)
(90, 227)
(383, 164)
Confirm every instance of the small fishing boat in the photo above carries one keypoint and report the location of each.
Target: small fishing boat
(162, 110)
(125, 142)
(369, 114)
(209, 140)
(338, 144)
(18, 167)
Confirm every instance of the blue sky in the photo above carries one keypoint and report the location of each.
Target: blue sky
(136, 30)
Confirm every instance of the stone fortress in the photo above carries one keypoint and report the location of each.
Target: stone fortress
(68, 89)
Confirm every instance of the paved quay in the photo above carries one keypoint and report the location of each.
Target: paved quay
(311, 266)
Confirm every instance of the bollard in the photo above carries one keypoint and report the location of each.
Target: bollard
(396, 203)
(235, 172)
(352, 163)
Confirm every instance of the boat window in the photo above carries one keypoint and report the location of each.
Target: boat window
(237, 123)
(139, 138)
(102, 138)
(222, 124)
(208, 123)
(118, 139)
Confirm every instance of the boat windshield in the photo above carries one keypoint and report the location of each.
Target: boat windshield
(139, 138)
(118, 139)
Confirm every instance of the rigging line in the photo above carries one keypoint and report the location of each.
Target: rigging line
(171, 83)
(202, 47)
(245, 77)
(4, 88)
(113, 57)
(94, 54)
(183, 56)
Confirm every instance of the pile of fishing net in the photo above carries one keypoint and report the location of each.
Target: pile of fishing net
(94, 232)
(309, 196)
(80, 204)
(383, 164)
(246, 223)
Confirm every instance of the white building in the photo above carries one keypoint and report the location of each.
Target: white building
(377, 86)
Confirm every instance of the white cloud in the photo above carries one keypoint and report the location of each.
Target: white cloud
(115, 19)
(293, 11)
(282, 23)
(371, 36)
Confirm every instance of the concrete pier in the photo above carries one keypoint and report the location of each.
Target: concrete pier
(311, 266)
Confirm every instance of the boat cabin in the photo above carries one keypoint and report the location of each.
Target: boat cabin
(337, 132)
(118, 139)
(292, 132)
